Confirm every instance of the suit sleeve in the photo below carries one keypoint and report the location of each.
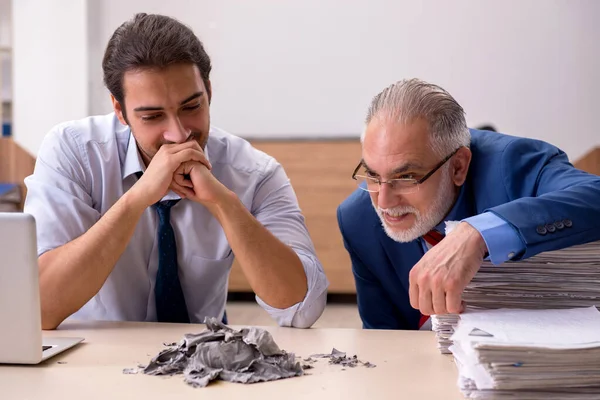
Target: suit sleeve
(374, 306)
(501, 239)
(555, 205)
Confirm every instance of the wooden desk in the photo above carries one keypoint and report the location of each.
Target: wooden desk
(408, 367)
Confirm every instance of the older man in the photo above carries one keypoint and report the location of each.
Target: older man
(422, 166)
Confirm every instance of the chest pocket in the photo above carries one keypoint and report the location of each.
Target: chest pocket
(201, 271)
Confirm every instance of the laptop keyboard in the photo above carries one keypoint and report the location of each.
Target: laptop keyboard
(44, 348)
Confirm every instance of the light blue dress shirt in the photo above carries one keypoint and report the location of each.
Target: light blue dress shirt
(85, 166)
(502, 241)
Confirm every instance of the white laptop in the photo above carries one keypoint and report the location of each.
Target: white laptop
(20, 314)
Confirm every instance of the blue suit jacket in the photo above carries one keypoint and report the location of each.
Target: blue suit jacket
(528, 183)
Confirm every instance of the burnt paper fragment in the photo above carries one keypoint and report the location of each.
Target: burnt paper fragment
(339, 358)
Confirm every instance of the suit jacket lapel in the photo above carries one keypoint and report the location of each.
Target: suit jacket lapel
(401, 256)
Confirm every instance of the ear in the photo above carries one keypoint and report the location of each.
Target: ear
(118, 110)
(208, 90)
(460, 165)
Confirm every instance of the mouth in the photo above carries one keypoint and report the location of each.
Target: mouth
(396, 219)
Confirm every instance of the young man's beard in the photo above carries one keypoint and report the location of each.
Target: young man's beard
(149, 155)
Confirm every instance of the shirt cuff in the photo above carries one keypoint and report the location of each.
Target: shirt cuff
(308, 311)
(502, 241)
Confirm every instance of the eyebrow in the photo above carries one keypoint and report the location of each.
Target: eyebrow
(403, 168)
(155, 108)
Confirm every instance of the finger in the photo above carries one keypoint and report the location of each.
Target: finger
(453, 301)
(175, 147)
(190, 155)
(425, 302)
(193, 155)
(181, 180)
(175, 188)
(439, 301)
(413, 293)
(182, 190)
(179, 176)
(172, 148)
(180, 194)
(190, 145)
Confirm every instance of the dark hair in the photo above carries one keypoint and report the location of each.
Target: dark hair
(151, 41)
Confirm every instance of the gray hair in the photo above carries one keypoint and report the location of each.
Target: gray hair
(409, 99)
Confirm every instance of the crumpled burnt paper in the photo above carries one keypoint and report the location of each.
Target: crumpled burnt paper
(219, 352)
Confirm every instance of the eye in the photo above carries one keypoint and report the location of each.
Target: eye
(407, 176)
(371, 174)
(192, 107)
(150, 117)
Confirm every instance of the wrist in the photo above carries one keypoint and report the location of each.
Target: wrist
(224, 205)
(476, 239)
(135, 201)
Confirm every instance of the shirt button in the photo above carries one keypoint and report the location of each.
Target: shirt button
(568, 223)
(550, 228)
(559, 225)
(541, 230)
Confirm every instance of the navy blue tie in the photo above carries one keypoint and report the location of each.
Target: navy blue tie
(170, 302)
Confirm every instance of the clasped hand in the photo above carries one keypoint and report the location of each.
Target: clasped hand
(184, 169)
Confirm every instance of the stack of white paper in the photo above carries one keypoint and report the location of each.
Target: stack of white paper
(528, 354)
(553, 280)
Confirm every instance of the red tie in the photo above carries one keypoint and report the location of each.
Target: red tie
(432, 237)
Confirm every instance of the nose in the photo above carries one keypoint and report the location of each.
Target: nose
(386, 198)
(176, 132)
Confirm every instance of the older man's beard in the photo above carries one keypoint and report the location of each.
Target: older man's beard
(423, 223)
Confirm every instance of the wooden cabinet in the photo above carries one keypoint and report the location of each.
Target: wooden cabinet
(590, 162)
(320, 172)
(15, 164)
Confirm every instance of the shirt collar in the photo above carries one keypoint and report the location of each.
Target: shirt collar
(133, 160)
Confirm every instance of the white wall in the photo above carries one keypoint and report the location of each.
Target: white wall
(5, 61)
(309, 68)
(5, 23)
(50, 76)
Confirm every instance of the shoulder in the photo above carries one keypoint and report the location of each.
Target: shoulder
(236, 153)
(493, 144)
(505, 167)
(76, 136)
(357, 213)
(99, 128)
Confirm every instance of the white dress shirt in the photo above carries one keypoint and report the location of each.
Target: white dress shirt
(85, 166)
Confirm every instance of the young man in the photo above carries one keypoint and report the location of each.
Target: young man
(422, 166)
(140, 212)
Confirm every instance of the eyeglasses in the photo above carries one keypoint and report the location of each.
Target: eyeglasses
(400, 185)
